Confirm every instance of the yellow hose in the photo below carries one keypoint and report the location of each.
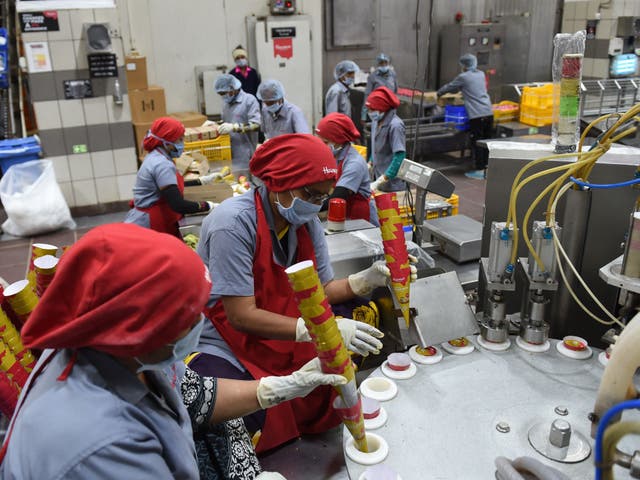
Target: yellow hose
(612, 435)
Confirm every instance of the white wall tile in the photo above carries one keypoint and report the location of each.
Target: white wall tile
(107, 189)
(77, 19)
(631, 8)
(581, 10)
(71, 113)
(108, 15)
(80, 52)
(118, 49)
(47, 115)
(604, 29)
(601, 67)
(125, 159)
(65, 27)
(34, 37)
(567, 26)
(80, 166)
(84, 192)
(95, 110)
(63, 56)
(587, 67)
(61, 167)
(67, 191)
(103, 165)
(118, 113)
(125, 186)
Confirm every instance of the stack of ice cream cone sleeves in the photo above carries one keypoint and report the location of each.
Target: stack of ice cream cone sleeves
(395, 250)
(38, 250)
(321, 323)
(15, 364)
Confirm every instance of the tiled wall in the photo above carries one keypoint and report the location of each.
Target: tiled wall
(106, 173)
(575, 16)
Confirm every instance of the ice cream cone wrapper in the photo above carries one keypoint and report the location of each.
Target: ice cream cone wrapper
(8, 395)
(354, 421)
(38, 250)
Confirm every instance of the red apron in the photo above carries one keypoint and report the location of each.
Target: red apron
(262, 357)
(357, 205)
(161, 217)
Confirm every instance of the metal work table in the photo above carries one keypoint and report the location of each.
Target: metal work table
(442, 423)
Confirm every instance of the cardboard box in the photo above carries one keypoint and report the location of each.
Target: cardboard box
(451, 99)
(215, 192)
(139, 131)
(135, 68)
(189, 119)
(147, 105)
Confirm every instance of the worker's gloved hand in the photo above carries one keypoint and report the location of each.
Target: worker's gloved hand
(377, 275)
(212, 205)
(360, 337)
(379, 181)
(227, 128)
(207, 179)
(274, 390)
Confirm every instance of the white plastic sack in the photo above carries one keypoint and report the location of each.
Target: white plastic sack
(33, 200)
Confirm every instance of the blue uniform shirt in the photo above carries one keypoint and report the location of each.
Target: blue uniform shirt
(289, 119)
(355, 177)
(227, 246)
(337, 99)
(243, 110)
(390, 138)
(101, 422)
(377, 79)
(156, 172)
(472, 84)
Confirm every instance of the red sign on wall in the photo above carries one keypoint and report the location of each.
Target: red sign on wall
(283, 47)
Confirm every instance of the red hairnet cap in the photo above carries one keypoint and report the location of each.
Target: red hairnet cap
(382, 99)
(337, 127)
(121, 289)
(293, 161)
(167, 128)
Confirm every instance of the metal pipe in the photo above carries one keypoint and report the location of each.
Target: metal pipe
(575, 221)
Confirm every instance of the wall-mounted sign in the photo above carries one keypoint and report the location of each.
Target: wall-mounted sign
(283, 41)
(102, 65)
(38, 58)
(283, 32)
(77, 89)
(46, 21)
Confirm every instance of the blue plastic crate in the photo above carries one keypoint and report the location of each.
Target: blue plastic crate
(18, 150)
(458, 115)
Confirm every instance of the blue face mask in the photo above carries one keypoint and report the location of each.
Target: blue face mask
(179, 149)
(300, 212)
(374, 115)
(274, 108)
(228, 98)
(181, 349)
(242, 62)
(335, 149)
(384, 69)
(348, 81)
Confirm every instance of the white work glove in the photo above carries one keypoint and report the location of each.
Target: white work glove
(359, 337)
(210, 178)
(377, 275)
(379, 181)
(274, 390)
(227, 128)
(209, 123)
(270, 476)
(212, 205)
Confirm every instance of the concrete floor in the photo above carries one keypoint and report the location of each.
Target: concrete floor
(315, 457)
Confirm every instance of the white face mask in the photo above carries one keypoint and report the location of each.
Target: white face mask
(375, 115)
(300, 212)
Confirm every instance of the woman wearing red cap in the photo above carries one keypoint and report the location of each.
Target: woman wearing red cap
(337, 131)
(158, 201)
(387, 139)
(105, 399)
(247, 242)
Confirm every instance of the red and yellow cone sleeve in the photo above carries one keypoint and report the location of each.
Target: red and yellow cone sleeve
(321, 323)
(395, 250)
(11, 338)
(9, 392)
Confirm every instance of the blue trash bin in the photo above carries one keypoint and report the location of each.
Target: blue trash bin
(18, 150)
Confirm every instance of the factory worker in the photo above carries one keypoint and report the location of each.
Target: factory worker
(248, 76)
(382, 76)
(241, 117)
(247, 242)
(104, 399)
(473, 85)
(387, 140)
(338, 131)
(337, 98)
(158, 201)
(278, 115)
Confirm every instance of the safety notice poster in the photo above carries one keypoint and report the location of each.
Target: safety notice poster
(46, 21)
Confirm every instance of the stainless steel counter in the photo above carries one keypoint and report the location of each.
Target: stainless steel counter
(442, 423)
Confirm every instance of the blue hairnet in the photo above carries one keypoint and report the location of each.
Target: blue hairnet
(383, 58)
(270, 90)
(468, 61)
(226, 83)
(343, 67)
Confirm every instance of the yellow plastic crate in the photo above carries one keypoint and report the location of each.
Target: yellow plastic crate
(536, 117)
(406, 214)
(215, 150)
(505, 111)
(538, 97)
(361, 149)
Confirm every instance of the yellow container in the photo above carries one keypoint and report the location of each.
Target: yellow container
(538, 97)
(505, 111)
(215, 150)
(536, 116)
(361, 149)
